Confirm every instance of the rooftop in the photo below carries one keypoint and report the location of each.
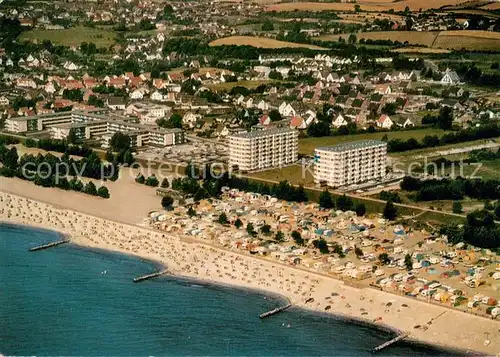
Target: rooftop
(352, 145)
(263, 133)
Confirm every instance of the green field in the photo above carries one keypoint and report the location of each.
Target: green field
(72, 36)
(293, 174)
(307, 145)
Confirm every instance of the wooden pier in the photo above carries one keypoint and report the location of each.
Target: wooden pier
(49, 245)
(275, 311)
(388, 343)
(149, 276)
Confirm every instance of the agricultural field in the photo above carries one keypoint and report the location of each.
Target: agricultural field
(472, 40)
(366, 5)
(420, 50)
(260, 42)
(72, 36)
(368, 17)
(492, 6)
(452, 40)
(413, 37)
(307, 145)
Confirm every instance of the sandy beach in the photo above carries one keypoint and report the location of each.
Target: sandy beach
(24, 203)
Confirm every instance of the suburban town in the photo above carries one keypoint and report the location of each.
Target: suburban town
(258, 144)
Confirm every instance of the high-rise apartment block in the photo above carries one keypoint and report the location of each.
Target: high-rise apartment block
(263, 149)
(350, 163)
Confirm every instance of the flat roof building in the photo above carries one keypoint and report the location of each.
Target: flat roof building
(350, 163)
(95, 124)
(263, 149)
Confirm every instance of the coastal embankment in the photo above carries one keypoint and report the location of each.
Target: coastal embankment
(443, 327)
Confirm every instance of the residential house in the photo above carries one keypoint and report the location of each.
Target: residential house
(298, 123)
(385, 122)
(450, 77)
(339, 121)
(116, 103)
(265, 120)
(286, 110)
(190, 119)
(4, 101)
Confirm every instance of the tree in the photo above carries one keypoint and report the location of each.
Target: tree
(360, 209)
(238, 223)
(297, 237)
(326, 200)
(103, 192)
(140, 179)
(119, 142)
(321, 245)
(497, 210)
(109, 156)
(352, 39)
(265, 229)
(344, 203)
(191, 212)
(75, 184)
(223, 219)
(408, 262)
(275, 75)
(457, 207)
(384, 258)
(390, 108)
(128, 157)
(165, 183)
(167, 202)
(359, 252)
(275, 115)
(445, 118)
(175, 121)
(279, 237)
(267, 25)
(90, 189)
(250, 229)
(390, 212)
(152, 181)
(11, 158)
(72, 137)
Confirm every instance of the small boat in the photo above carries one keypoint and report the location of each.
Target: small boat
(487, 342)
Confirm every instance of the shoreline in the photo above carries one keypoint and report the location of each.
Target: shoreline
(185, 273)
(218, 285)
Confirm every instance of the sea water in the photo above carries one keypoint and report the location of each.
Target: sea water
(69, 300)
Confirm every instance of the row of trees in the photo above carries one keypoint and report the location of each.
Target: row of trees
(464, 135)
(480, 230)
(44, 171)
(448, 189)
(57, 145)
(345, 203)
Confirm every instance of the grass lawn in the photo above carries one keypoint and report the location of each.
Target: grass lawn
(72, 37)
(293, 174)
(408, 155)
(307, 145)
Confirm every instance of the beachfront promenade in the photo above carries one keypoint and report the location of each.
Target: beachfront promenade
(443, 326)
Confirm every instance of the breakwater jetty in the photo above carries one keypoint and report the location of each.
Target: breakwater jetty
(274, 311)
(388, 343)
(49, 245)
(149, 276)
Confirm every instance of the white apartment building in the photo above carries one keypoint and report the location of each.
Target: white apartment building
(350, 163)
(263, 149)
